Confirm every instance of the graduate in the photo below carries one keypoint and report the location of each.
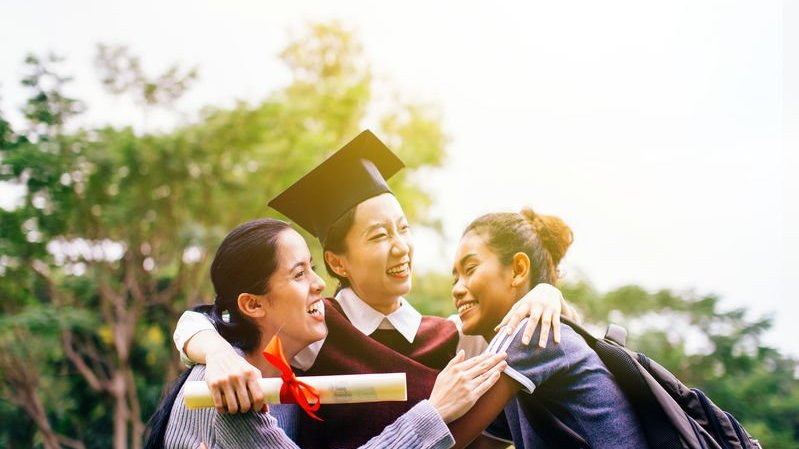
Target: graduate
(553, 396)
(268, 296)
(346, 203)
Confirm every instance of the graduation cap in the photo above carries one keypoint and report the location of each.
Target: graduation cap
(356, 172)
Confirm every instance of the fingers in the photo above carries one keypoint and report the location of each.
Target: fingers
(455, 360)
(488, 379)
(532, 323)
(242, 394)
(230, 398)
(556, 329)
(484, 364)
(256, 394)
(546, 324)
(216, 393)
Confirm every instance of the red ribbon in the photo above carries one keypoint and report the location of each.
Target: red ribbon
(292, 391)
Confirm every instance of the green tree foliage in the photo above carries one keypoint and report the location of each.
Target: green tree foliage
(116, 229)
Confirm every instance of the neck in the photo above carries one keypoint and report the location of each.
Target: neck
(256, 358)
(488, 332)
(386, 306)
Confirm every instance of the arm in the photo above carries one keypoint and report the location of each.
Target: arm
(471, 425)
(233, 382)
(420, 427)
(543, 303)
(457, 388)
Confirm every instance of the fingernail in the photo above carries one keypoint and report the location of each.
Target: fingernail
(526, 340)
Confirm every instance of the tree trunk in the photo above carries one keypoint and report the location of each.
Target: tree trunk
(121, 412)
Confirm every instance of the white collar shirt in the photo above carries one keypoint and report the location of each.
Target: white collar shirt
(406, 320)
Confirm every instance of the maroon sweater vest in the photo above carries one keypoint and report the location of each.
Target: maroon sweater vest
(348, 351)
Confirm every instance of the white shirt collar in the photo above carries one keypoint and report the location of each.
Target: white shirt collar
(406, 320)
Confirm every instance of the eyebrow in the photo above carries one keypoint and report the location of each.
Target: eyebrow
(299, 264)
(463, 260)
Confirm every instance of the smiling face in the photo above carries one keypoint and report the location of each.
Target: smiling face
(482, 286)
(294, 306)
(379, 253)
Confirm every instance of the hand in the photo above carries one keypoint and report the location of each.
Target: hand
(544, 303)
(461, 383)
(233, 382)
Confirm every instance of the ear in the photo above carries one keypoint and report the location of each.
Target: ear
(520, 264)
(336, 263)
(252, 305)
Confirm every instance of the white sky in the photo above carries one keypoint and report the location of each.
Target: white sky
(664, 133)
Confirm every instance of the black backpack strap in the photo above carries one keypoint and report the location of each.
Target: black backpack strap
(659, 430)
(548, 426)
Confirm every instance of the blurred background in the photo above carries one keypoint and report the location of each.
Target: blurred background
(134, 135)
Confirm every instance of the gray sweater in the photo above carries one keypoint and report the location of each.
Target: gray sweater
(421, 427)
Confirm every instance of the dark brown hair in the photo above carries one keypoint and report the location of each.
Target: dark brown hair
(336, 241)
(544, 238)
(244, 262)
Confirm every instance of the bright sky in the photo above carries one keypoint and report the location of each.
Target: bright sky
(655, 129)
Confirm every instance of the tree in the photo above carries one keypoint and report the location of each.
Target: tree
(117, 229)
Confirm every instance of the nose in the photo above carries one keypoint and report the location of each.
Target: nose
(458, 290)
(317, 283)
(401, 246)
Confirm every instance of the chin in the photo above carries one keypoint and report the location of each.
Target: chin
(470, 328)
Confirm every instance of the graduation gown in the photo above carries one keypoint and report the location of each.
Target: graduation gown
(347, 350)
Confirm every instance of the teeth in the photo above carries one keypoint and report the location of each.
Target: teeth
(466, 306)
(400, 269)
(316, 308)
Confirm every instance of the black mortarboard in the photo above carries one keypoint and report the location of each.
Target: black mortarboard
(356, 172)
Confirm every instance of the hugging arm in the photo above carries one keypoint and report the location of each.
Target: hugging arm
(233, 382)
(543, 303)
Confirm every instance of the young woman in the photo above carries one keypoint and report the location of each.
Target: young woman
(346, 203)
(500, 257)
(265, 286)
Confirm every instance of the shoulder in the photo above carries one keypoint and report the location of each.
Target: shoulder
(530, 365)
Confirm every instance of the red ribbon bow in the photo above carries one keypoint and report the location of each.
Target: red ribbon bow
(292, 391)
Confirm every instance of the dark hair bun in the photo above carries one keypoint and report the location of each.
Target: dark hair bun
(555, 236)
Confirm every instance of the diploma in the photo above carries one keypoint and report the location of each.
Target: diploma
(343, 389)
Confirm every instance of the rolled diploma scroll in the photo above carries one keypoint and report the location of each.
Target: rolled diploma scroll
(343, 389)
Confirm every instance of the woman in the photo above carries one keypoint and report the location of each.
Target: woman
(265, 286)
(500, 257)
(346, 203)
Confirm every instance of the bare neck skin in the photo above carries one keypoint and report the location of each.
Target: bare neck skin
(385, 306)
(256, 358)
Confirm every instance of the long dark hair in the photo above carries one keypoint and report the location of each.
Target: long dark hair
(244, 262)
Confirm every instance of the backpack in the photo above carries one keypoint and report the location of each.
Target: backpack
(672, 415)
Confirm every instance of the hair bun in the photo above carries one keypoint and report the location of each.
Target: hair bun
(555, 235)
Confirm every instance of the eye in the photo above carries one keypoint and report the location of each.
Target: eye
(404, 227)
(455, 280)
(470, 269)
(299, 275)
(379, 236)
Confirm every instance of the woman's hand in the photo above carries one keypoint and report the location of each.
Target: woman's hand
(543, 303)
(461, 383)
(233, 382)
